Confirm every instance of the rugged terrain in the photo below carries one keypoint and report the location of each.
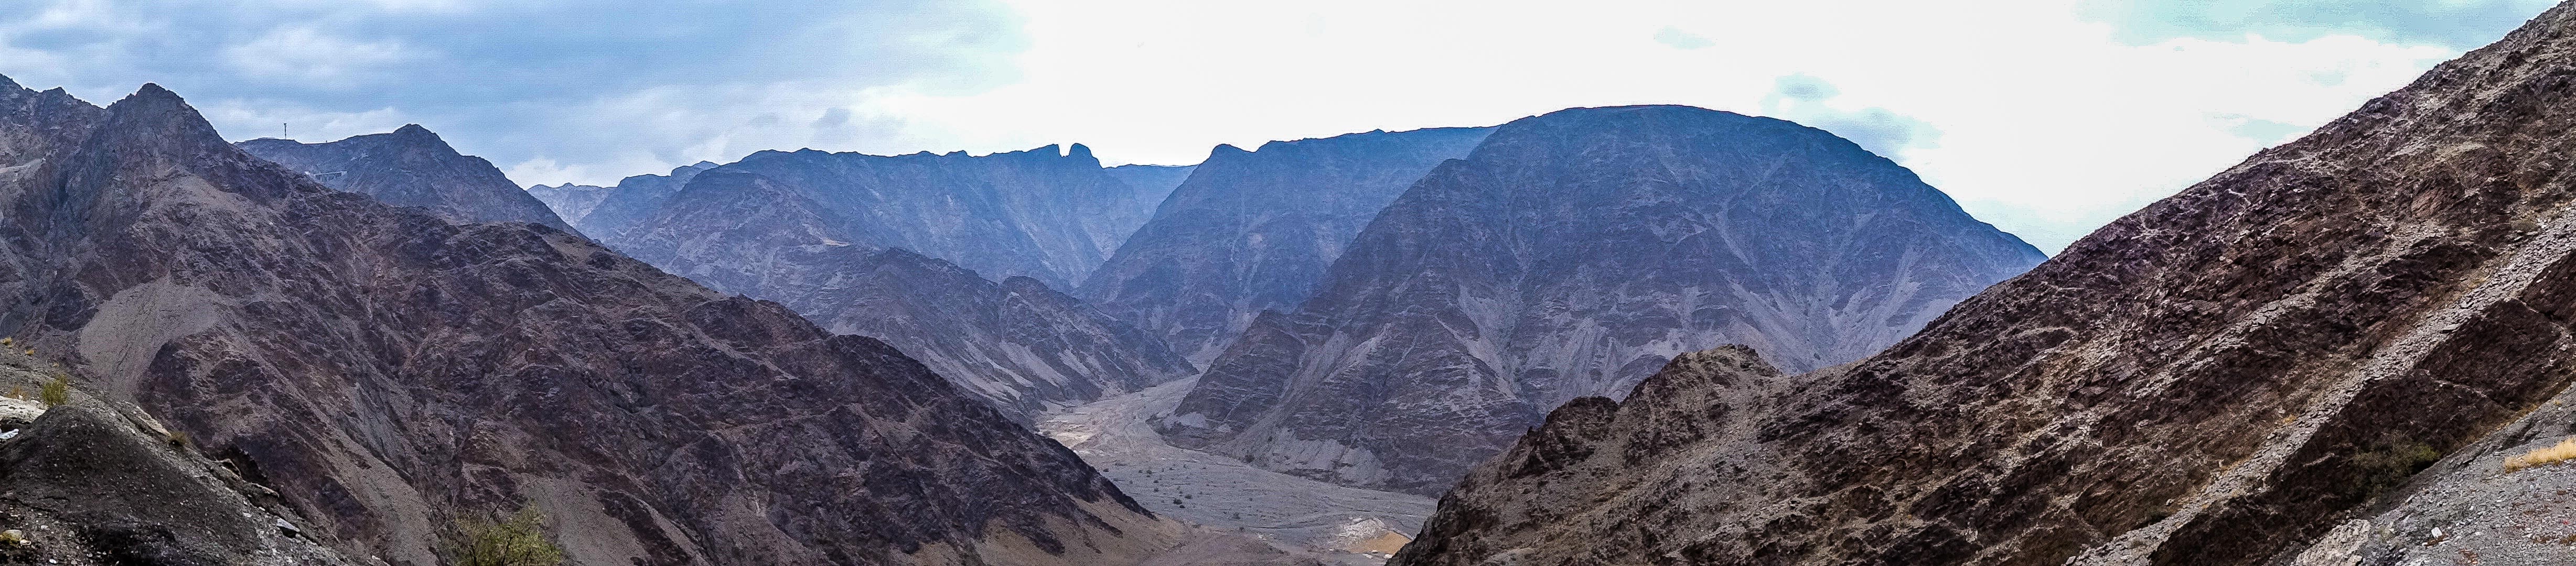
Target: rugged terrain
(412, 167)
(1016, 343)
(634, 199)
(1571, 255)
(1254, 230)
(385, 371)
(570, 201)
(1152, 183)
(1044, 213)
(2320, 356)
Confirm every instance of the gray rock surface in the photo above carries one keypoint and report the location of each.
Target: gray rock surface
(1152, 183)
(92, 482)
(385, 371)
(570, 201)
(412, 167)
(1016, 343)
(1251, 231)
(2318, 357)
(1571, 255)
(1037, 213)
(635, 199)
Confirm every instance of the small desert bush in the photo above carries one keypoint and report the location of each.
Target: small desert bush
(2564, 451)
(58, 391)
(519, 540)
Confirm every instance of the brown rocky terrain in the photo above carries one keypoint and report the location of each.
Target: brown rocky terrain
(1570, 255)
(2320, 356)
(412, 167)
(385, 371)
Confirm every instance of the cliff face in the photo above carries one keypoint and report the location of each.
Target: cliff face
(634, 199)
(1016, 343)
(412, 167)
(1152, 184)
(570, 201)
(1570, 255)
(1250, 231)
(1035, 213)
(2252, 371)
(384, 371)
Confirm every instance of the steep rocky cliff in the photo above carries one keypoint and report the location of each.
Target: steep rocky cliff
(570, 201)
(412, 167)
(2320, 356)
(1571, 255)
(1037, 213)
(1250, 231)
(1152, 183)
(1016, 343)
(385, 371)
(633, 199)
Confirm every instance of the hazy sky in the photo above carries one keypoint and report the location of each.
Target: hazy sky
(2046, 117)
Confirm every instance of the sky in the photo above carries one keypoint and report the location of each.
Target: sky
(2047, 118)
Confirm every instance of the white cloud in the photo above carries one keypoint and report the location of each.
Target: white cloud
(2046, 123)
(2047, 117)
(301, 54)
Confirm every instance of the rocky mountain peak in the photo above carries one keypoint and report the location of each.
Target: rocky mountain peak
(1569, 255)
(2329, 354)
(387, 371)
(413, 166)
(1247, 231)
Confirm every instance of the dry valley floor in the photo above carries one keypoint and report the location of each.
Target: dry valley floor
(1348, 525)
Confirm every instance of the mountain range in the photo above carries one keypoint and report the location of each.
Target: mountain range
(2353, 348)
(381, 371)
(1570, 255)
(1250, 231)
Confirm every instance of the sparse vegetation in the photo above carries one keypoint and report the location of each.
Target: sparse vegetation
(519, 540)
(2388, 466)
(177, 439)
(2565, 450)
(58, 391)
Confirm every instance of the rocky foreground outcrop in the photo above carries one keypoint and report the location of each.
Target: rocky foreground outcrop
(1571, 255)
(1254, 230)
(412, 167)
(385, 371)
(2321, 356)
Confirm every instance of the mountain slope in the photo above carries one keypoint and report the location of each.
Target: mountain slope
(570, 201)
(1017, 343)
(635, 199)
(2223, 377)
(1250, 231)
(386, 371)
(412, 167)
(1152, 183)
(1035, 213)
(1570, 255)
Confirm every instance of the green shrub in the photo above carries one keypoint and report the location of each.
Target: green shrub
(58, 391)
(517, 541)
